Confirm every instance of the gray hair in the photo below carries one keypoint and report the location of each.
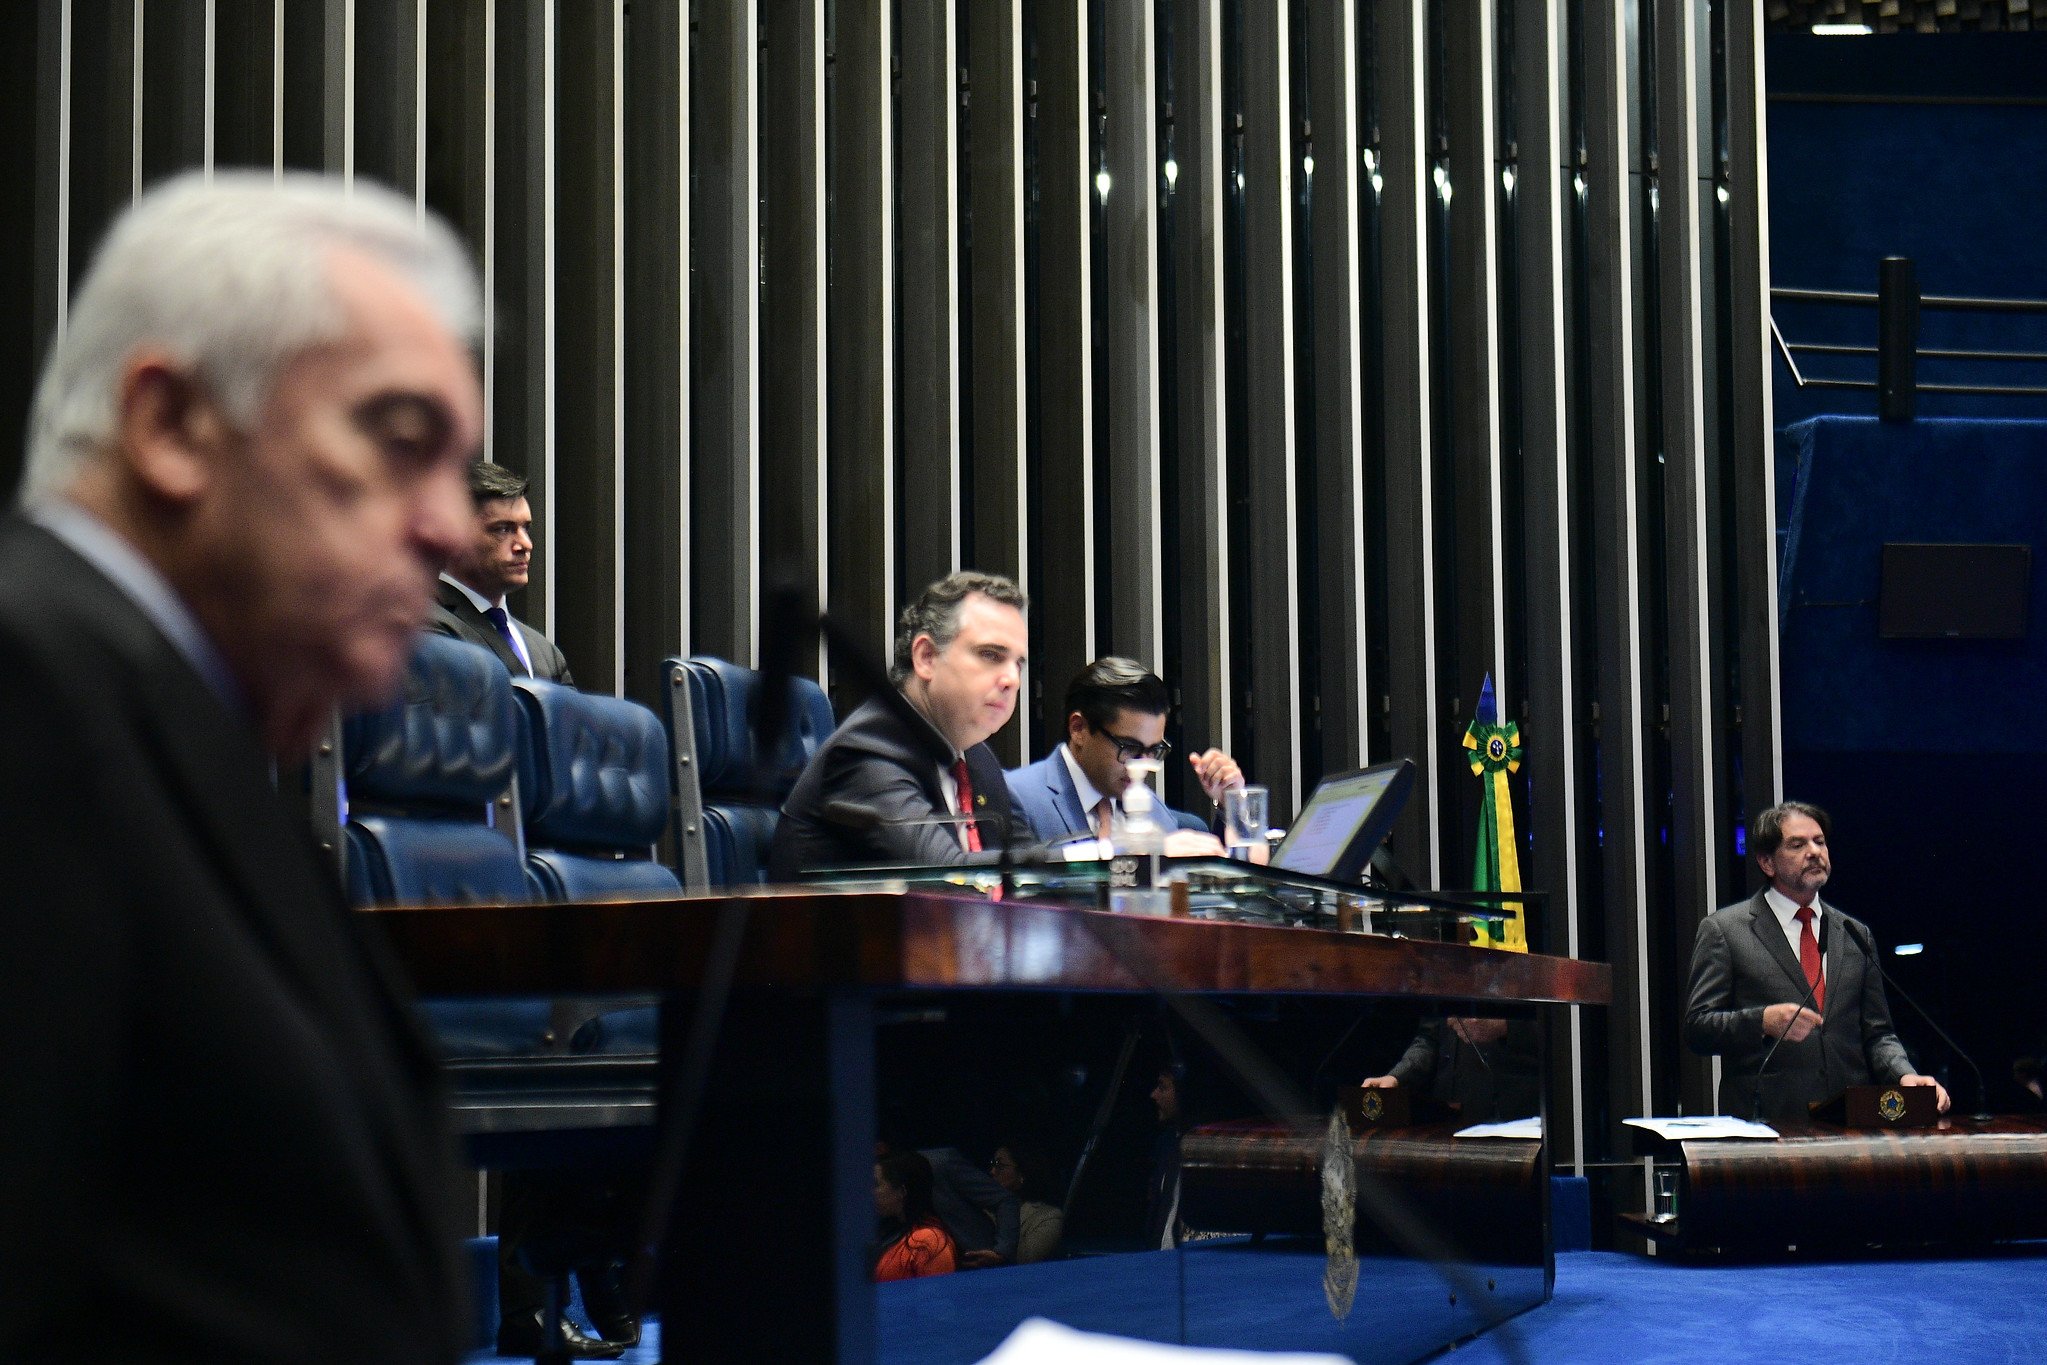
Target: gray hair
(936, 612)
(230, 275)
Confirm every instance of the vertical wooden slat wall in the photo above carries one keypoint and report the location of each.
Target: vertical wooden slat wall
(838, 295)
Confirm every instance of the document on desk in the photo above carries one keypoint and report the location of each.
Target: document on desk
(1530, 1127)
(1702, 1126)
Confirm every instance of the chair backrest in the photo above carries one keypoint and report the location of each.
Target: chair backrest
(422, 777)
(594, 786)
(728, 792)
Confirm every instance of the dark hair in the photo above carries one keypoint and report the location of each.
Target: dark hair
(910, 1172)
(1766, 831)
(491, 482)
(1111, 685)
(1034, 1169)
(936, 612)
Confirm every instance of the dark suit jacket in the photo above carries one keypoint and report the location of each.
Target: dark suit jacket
(1044, 796)
(1489, 1083)
(454, 614)
(979, 1213)
(876, 763)
(223, 1136)
(1741, 963)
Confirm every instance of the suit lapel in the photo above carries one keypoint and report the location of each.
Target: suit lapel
(1763, 920)
(1063, 793)
(476, 627)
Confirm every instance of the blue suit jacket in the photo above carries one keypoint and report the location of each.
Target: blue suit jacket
(1043, 794)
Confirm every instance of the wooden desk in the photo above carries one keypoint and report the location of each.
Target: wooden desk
(1819, 1186)
(775, 1204)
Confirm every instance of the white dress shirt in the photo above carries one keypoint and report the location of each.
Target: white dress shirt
(1786, 910)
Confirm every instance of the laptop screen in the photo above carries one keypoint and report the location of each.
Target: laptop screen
(1345, 819)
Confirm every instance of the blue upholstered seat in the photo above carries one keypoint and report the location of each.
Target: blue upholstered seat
(731, 793)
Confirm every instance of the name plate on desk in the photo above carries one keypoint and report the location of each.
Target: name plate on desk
(1881, 1106)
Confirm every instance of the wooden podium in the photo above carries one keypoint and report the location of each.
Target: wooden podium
(764, 1258)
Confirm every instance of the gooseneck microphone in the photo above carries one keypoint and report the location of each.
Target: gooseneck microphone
(1982, 1114)
(1756, 1105)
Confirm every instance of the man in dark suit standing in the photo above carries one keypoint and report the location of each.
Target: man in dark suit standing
(224, 1136)
(1115, 713)
(495, 559)
(893, 782)
(1783, 965)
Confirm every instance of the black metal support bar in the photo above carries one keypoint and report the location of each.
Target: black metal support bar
(1897, 337)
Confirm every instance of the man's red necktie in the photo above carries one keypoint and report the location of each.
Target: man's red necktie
(1809, 958)
(970, 833)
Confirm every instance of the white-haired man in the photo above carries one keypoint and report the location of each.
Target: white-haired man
(222, 1138)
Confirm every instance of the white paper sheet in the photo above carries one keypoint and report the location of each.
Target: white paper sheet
(1703, 1126)
(1039, 1341)
(1530, 1127)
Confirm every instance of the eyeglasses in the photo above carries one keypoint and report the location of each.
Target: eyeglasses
(1129, 750)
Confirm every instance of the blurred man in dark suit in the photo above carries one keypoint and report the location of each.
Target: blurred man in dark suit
(223, 1136)
(495, 559)
(1782, 964)
(917, 783)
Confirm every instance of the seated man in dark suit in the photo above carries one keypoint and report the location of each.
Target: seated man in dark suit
(1756, 963)
(894, 780)
(1488, 1070)
(224, 1135)
(1115, 713)
(494, 560)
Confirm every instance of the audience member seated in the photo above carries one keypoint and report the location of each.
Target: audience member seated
(1115, 713)
(910, 778)
(1162, 1226)
(1488, 1070)
(910, 1241)
(495, 560)
(1022, 1169)
(981, 1215)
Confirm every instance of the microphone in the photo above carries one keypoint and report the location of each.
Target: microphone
(1756, 1104)
(1982, 1114)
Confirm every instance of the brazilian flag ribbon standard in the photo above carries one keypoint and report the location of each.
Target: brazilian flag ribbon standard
(1495, 751)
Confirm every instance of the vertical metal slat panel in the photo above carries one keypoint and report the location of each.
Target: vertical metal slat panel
(1338, 498)
(1556, 801)
(1063, 638)
(1202, 597)
(588, 282)
(1682, 225)
(1269, 403)
(929, 273)
(794, 533)
(174, 113)
(725, 351)
(1415, 725)
(999, 514)
(102, 112)
(245, 77)
(386, 75)
(1610, 426)
(1131, 295)
(1480, 609)
(1752, 458)
(860, 466)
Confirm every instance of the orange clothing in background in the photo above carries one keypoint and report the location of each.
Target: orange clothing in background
(924, 1250)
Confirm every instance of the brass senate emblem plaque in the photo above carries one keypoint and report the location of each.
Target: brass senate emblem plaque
(1890, 1105)
(1373, 1106)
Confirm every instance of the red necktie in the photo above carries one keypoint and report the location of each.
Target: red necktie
(1105, 818)
(970, 833)
(1809, 957)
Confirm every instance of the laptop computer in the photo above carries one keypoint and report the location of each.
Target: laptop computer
(1346, 818)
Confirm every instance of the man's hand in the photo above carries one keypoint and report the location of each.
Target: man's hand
(1380, 1083)
(1193, 843)
(1217, 771)
(982, 1260)
(1789, 1022)
(1939, 1090)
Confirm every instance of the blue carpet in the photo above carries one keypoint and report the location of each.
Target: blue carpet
(1612, 1307)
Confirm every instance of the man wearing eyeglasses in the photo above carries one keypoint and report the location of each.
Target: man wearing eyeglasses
(1115, 714)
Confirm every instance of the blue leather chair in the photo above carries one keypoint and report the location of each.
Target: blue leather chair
(729, 795)
(594, 787)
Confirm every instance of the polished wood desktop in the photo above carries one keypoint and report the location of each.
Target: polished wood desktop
(774, 1203)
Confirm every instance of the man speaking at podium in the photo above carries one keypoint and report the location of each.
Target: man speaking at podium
(1783, 970)
(919, 786)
